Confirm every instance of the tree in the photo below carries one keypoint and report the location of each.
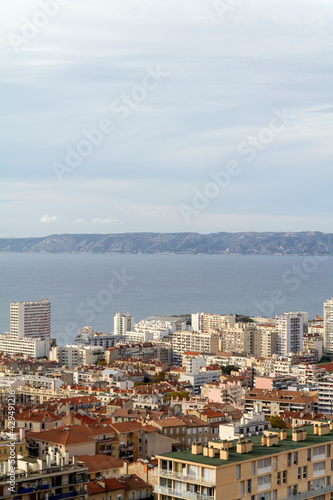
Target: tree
(229, 368)
(173, 395)
(277, 422)
(158, 377)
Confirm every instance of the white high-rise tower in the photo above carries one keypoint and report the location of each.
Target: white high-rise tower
(31, 319)
(288, 333)
(328, 325)
(123, 322)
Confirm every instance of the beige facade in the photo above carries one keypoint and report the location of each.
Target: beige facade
(273, 467)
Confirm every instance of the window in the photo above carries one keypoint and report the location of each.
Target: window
(328, 480)
(274, 494)
(274, 463)
(299, 474)
(318, 453)
(305, 472)
(284, 477)
(253, 468)
(328, 451)
(264, 482)
(318, 469)
(249, 486)
(237, 471)
(278, 479)
(289, 459)
(295, 457)
(242, 488)
(264, 465)
(208, 475)
(309, 455)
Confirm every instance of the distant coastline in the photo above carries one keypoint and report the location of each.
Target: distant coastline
(247, 243)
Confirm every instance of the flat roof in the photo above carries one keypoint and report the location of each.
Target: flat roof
(258, 450)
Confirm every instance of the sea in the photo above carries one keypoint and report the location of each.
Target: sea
(88, 289)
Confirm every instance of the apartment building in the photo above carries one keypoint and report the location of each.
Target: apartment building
(293, 463)
(325, 395)
(31, 319)
(275, 402)
(185, 429)
(289, 333)
(51, 477)
(195, 342)
(123, 322)
(264, 342)
(328, 325)
(238, 339)
(77, 355)
(207, 323)
(9, 441)
(27, 346)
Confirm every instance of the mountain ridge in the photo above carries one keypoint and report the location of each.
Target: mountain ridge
(187, 243)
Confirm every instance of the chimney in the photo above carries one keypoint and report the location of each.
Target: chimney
(58, 458)
(74, 460)
(145, 470)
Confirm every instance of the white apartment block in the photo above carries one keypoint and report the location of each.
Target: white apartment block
(195, 342)
(206, 323)
(31, 319)
(76, 355)
(289, 333)
(193, 362)
(325, 396)
(123, 322)
(35, 348)
(328, 325)
(197, 380)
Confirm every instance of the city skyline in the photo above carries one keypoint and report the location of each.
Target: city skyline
(203, 116)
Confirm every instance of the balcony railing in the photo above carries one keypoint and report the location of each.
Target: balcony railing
(68, 494)
(181, 494)
(305, 495)
(183, 477)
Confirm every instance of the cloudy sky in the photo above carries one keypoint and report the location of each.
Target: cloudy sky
(166, 115)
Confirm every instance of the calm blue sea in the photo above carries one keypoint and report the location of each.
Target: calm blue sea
(89, 289)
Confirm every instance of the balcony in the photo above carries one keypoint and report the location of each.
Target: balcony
(305, 495)
(183, 477)
(68, 494)
(181, 494)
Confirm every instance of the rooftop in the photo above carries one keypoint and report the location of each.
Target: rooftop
(258, 450)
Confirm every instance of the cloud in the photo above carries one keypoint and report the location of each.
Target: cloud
(78, 221)
(107, 220)
(46, 219)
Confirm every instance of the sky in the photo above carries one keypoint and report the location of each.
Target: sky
(166, 116)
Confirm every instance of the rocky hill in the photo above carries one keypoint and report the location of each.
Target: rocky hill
(302, 243)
